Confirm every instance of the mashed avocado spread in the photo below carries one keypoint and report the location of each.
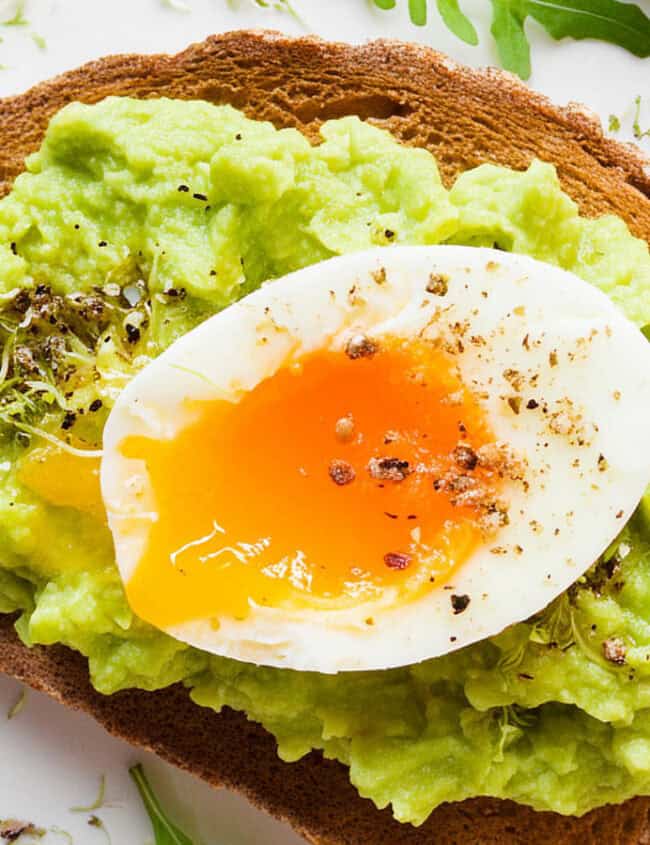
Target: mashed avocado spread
(134, 222)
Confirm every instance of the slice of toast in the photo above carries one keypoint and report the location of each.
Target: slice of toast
(464, 117)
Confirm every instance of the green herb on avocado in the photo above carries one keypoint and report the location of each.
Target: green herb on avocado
(48, 345)
(620, 23)
(97, 803)
(511, 721)
(165, 832)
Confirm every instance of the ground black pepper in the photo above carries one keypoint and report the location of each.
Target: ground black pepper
(459, 603)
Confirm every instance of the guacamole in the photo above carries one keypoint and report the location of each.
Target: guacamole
(138, 219)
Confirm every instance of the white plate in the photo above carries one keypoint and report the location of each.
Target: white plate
(53, 759)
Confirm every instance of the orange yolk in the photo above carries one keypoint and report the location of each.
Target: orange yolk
(250, 508)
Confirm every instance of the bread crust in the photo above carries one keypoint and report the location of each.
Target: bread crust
(465, 117)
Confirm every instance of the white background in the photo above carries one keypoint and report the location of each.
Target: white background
(52, 759)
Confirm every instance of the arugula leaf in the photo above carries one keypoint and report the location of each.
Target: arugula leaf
(508, 19)
(165, 832)
(606, 20)
(418, 12)
(457, 21)
(615, 21)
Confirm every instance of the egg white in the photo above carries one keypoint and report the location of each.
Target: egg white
(530, 314)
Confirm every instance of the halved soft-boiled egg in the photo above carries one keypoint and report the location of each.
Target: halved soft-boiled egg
(378, 459)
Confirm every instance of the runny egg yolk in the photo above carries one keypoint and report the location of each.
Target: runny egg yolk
(316, 489)
(63, 479)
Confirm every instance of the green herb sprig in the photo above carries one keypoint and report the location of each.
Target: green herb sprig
(615, 122)
(176, 5)
(18, 18)
(621, 23)
(165, 832)
(639, 133)
(18, 705)
(98, 803)
(96, 822)
(19, 21)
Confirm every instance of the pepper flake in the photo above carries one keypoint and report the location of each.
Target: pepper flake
(459, 603)
(388, 469)
(341, 472)
(360, 346)
(397, 560)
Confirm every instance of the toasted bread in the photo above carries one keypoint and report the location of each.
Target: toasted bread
(464, 117)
